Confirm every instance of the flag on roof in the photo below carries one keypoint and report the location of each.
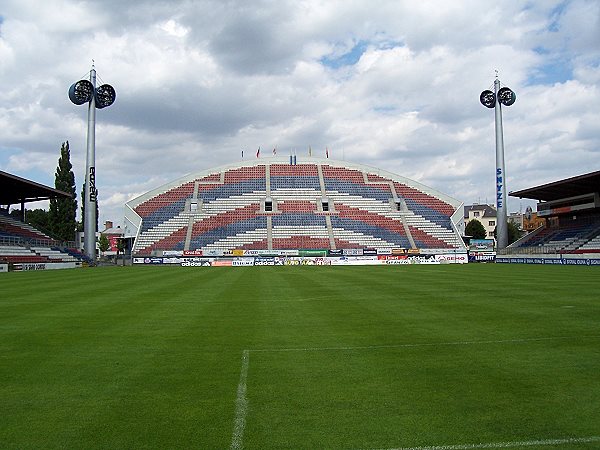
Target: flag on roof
(326, 152)
(258, 153)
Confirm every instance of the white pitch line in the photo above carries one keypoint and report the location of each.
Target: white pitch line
(541, 442)
(423, 344)
(241, 406)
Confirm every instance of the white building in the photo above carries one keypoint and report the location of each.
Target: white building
(486, 214)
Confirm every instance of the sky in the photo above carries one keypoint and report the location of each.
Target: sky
(391, 84)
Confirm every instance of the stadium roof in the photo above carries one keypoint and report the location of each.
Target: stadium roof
(15, 190)
(569, 187)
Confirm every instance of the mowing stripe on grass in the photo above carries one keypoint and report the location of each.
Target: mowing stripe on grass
(241, 405)
(423, 344)
(536, 443)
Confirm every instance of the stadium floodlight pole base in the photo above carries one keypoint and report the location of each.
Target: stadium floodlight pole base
(501, 219)
(91, 194)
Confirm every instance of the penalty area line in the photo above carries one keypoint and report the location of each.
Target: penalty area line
(241, 406)
(514, 444)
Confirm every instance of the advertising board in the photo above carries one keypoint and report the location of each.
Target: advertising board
(481, 245)
(239, 262)
(352, 251)
(452, 258)
(482, 256)
(392, 257)
(196, 262)
(550, 261)
(46, 266)
(222, 263)
(287, 252)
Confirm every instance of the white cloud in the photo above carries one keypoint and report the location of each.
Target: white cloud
(392, 84)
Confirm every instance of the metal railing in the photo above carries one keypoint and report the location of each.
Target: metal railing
(36, 242)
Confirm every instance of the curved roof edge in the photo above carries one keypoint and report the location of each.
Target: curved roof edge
(299, 160)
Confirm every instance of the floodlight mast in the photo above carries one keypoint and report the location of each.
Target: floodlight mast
(501, 220)
(81, 92)
(489, 99)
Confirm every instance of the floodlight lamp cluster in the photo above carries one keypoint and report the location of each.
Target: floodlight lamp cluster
(506, 97)
(83, 90)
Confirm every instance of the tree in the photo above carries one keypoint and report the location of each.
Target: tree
(475, 230)
(103, 243)
(63, 210)
(514, 234)
(37, 218)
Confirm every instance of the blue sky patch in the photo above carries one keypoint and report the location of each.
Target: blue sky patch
(555, 16)
(347, 59)
(353, 56)
(557, 71)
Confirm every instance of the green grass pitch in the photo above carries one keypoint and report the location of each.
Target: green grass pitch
(387, 357)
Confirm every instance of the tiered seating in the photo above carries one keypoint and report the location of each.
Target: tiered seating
(593, 245)
(361, 211)
(22, 243)
(10, 227)
(227, 208)
(77, 254)
(570, 236)
(164, 218)
(301, 176)
(18, 254)
(365, 228)
(539, 237)
(54, 254)
(299, 227)
(230, 226)
(428, 217)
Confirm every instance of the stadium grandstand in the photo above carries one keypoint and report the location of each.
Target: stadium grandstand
(279, 204)
(572, 211)
(23, 247)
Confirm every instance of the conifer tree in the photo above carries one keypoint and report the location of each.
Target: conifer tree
(62, 210)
